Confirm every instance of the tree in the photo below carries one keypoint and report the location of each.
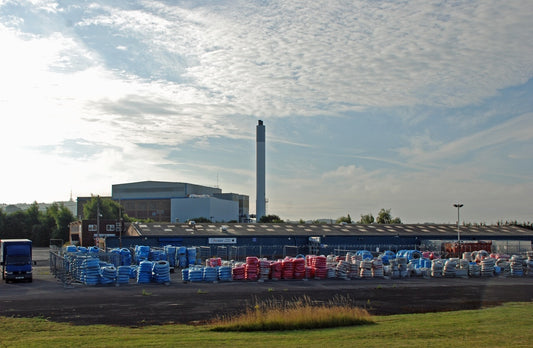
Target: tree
(61, 217)
(36, 225)
(14, 226)
(40, 235)
(33, 215)
(2, 221)
(367, 219)
(396, 220)
(109, 209)
(346, 219)
(385, 217)
(270, 219)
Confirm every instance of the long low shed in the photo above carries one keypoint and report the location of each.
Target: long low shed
(274, 240)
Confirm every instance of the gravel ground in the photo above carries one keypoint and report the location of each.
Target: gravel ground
(143, 304)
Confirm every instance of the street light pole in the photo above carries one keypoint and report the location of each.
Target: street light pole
(98, 221)
(458, 206)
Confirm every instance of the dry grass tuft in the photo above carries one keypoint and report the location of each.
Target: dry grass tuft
(298, 314)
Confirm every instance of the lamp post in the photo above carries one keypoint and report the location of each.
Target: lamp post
(98, 221)
(458, 206)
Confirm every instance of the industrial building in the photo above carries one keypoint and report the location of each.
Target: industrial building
(278, 240)
(164, 202)
(88, 232)
(177, 202)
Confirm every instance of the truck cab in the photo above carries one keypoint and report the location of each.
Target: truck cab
(16, 259)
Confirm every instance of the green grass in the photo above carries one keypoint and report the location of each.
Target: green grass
(504, 326)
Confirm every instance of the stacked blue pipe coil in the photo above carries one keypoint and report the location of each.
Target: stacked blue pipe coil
(161, 272)
(365, 254)
(90, 271)
(71, 249)
(224, 273)
(108, 274)
(141, 253)
(191, 256)
(196, 274)
(124, 256)
(123, 274)
(93, 251)
(144, 272)
(421, 263)
(210, 274)
(185, 274)
(133, 272)
(409, 254)
(157, 255)
(182, 257)
(207, 274)
(171, 252)
(387, 256)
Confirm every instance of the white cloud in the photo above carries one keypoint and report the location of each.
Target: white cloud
(415, 197)
(112, 78)
(367, 55)
(425, 150)
(50, 6)
(285, 58)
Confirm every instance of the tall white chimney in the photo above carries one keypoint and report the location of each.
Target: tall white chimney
(260, 171)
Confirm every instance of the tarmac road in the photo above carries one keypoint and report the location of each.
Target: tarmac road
(143, 304)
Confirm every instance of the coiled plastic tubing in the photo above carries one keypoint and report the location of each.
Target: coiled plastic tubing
(144, 272)
(123, 274)
(108, 274)
(210, 274)
(161, 272)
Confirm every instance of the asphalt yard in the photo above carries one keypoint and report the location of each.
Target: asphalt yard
(179, 302)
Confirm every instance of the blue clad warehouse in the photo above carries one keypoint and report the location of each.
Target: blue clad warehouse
(236, 240)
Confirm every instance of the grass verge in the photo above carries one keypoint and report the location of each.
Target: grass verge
(508, 325)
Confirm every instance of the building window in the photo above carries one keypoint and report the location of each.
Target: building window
(110, 228)
(92, 228)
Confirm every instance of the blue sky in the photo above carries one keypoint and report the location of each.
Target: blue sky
(410, 106)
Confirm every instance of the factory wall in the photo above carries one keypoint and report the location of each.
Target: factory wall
(148, 190)
(271, 247)
(244, 204)
(158, 190)
(217, 210)
(155, 209)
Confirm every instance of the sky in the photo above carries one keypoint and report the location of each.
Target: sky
(404, 105)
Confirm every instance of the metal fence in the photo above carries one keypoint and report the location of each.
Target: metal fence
(274, 252)
(511, 247)
(58, 266)
(373, 248)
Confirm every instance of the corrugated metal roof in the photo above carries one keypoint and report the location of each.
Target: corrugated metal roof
(220, 229)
